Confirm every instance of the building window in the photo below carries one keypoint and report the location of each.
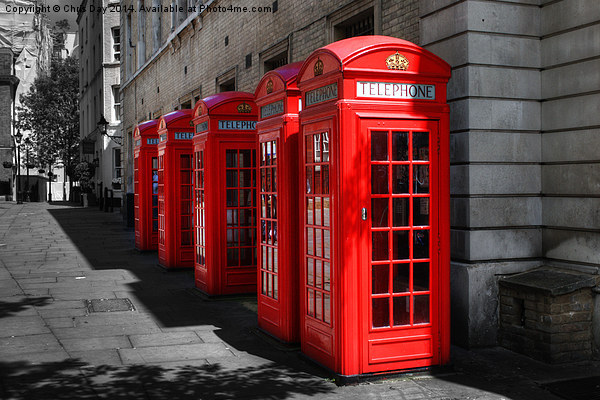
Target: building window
(116, 103)
(226, 81)
(187, 105)
(117, 179)
(360, 24)
(116, 36)
(276, 62)
(248, 60)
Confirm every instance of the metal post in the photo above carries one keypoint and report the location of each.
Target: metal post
(27, 166)
(19, 198)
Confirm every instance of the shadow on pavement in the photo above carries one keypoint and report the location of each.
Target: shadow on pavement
(73, 380)
(8, 309)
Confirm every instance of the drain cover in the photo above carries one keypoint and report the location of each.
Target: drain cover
(109, 305)
(577, 389)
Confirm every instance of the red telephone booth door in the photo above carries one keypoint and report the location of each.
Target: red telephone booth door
(401, 319)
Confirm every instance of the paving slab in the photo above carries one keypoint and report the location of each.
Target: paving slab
(165, 339)
(96, 343)
(15, 326)
(159, 354)
(16, 345)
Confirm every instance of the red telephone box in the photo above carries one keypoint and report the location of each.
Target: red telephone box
(277, 98)
(175, 188)
(225, 193)
(375, 206)
(145, 176)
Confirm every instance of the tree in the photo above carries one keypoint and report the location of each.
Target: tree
(50, 111)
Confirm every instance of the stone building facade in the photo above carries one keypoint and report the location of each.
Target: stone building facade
(524, 112)
(99, 77)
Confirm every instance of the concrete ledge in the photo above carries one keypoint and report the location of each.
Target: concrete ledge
(553, 283)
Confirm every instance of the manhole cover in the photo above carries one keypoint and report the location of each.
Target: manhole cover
(109, 305)
(577, 389)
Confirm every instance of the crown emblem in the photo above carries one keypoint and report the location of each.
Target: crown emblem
(318, 69)
(270, 86)
(397, 61)
(244, 108)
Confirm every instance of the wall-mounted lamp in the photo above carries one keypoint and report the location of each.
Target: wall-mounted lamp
(102, 124)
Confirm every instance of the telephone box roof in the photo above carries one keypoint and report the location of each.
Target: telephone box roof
(176, 119)
(287, 73)
(207, 104)
(367, 53)
(144, 127)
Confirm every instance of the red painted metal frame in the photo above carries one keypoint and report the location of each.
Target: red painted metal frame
(175, 240)
(145, 153)
(345, 337)
(277, 96)
(219, 217)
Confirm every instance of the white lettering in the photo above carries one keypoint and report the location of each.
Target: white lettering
(393, 90)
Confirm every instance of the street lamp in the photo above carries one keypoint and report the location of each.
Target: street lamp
(18, 136)
(102, 124)
(28, 144)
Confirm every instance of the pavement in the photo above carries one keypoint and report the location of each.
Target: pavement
(176, 343)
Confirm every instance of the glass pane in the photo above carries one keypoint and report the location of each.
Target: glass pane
(246, 256)
(275, 287)
(420, 277)
(402, 310)
(326, 211)
(246, 197)
(319, 242)
(186, 238)
(154, 163)
(400, 179)
(319, 274)
(326, 244)
(309, 149)
(421, 244)
(263, 282)
(381, 312)
(380, 246)
(401, 245)
(325, 179)
(318, 209)
(275, 260)
(274, 153)
(309, 179)
(186, 177)
(310, 242)
(263, 252)
(379, 179)
(420, 211)
(246, 217)
(231, 158)
(246, 178)
(399, 146)
(401, 211)
(421, 178)
(379, 212)
(420, 146)
(310, 211)
(262, 153)
(379, 146)
(310, 272)
(325, 146)
(246, 158)
(421, 309)
(232, 257)
(319, 305)
(185, 161)
(326, 276)
(232, 217)
(311, 302)
(317, 182)
(274, 232)
(380, 279)
(326, 308)
(401, 278)
(232, 198)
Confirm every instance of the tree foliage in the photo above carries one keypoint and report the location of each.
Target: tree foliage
(50, 111)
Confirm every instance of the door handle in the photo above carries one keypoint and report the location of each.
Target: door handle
(363, 214)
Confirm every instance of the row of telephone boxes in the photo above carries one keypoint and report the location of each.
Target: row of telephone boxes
(325, 192)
